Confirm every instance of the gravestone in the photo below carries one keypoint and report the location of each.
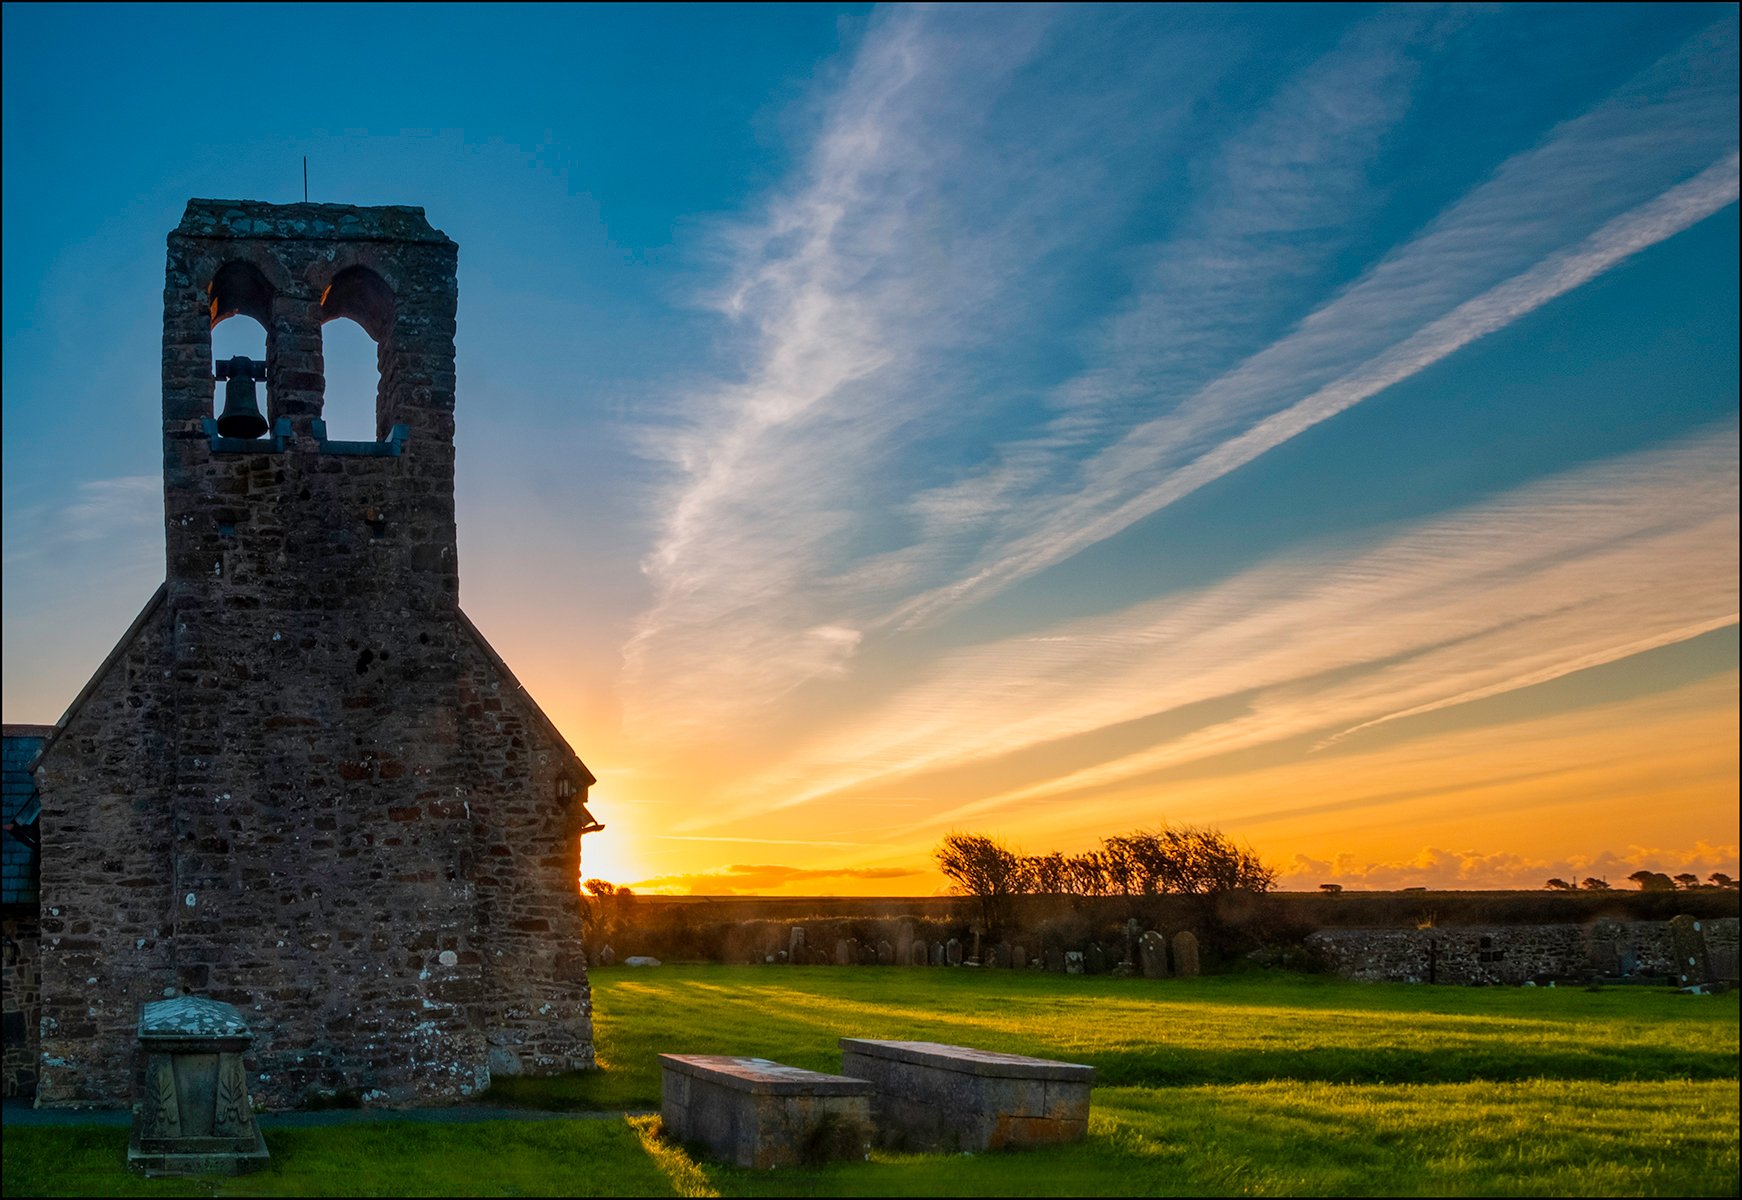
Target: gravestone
(953, 952)
(1693, 962)
(1019, 958)
(795, 945)
(1603, 948)
(938, 954)
(781, 957)
(917, 955)
(607, 956)
(843, 953)
(904, 944)
(1073, 962)
(1152, 955)
(1055, 959)
(1095, 959)
(1185, 954)
(885, 954)
(867, 954)
(1000, 957)
(821, 957)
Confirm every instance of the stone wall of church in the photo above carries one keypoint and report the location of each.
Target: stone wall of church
(107, 903)
(21, 963)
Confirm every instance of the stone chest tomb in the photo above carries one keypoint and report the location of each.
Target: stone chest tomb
(194, 1115)
(758, 1113)
(302, 783)
(928, 1096)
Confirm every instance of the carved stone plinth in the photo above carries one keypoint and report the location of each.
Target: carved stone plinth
(195, 1117)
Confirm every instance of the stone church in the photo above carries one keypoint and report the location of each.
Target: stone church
(303, 783)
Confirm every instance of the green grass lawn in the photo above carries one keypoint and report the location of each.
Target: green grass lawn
(1247, 1084)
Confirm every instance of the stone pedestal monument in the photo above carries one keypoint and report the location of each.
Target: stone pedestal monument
(194, 1117)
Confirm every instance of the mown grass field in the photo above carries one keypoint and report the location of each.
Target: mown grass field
(1265, 1084)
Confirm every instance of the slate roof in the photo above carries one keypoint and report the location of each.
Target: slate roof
(22, 743)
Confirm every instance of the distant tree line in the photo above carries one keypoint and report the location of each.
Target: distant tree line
(1174, 859)
(1648, 881)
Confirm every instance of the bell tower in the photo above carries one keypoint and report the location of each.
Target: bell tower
(293, 268)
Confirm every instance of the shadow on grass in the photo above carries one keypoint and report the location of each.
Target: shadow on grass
(1549, 1138)
(489, 1158)
(1144, 1033)
(1531, 1138)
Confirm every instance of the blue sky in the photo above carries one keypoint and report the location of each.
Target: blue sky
(1319, 421)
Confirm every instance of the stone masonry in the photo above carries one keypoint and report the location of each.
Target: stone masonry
(756, 1113)
(303, 783)
(21, 938)
(1514, 954)
(927, 1096)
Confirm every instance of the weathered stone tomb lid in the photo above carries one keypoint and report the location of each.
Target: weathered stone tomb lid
(186, 1018)
(762, 1076)
(969, 1061)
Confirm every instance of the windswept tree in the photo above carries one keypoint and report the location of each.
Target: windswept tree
(1592, 884)
(1173, 859)
(1330, 889)
(1086, 875)
(609, 910)
(1561, 885)
(985, 869)
(1190, 859)
(1720, 880)
(1652, 881)
(1048, 874)
(1687, 881)
(1206, 860)
(1118, 867)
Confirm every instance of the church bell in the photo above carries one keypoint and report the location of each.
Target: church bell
(241, 416)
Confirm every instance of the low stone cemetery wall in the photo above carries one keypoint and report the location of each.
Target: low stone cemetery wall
(1516, 954)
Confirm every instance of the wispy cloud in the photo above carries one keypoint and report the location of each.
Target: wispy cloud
(725, 881)
(754, 841)
(120, 517)
(107, 535)
(811, 510)
(1579, 570)
(770, 469)
(1391, 324)
(1434, 866)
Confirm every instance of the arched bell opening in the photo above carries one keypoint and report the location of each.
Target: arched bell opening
(240, 347)
(352, 372)
(357, 313)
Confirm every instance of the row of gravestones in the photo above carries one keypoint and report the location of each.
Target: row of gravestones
(1144, 954)
(1148, 956)
(1693, 960)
